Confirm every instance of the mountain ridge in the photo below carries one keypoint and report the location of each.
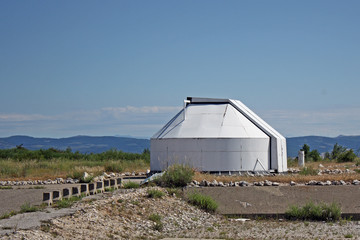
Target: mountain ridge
(97, 144)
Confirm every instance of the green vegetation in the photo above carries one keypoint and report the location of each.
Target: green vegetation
(6, 187)
(202, 201)
(154, 193)
(348, 235)
(28, 208)
(157, 219)
(130, 184)
(66, 203)
(22, 154)
(311, 156)
(22, 163)
(308, 171)
(109, 189)
(176, 191)
(311, 211)
(8, 215)
(176, 176)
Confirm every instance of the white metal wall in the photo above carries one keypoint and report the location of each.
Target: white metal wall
(232, 154)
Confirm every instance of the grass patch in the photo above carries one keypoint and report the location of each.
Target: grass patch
(8, 215)
(348, 235)
(311, 211)
(109, 189)
(154, 193)
(157, 219)
(176, 176)
(129, 185)
(6, 187)
(202, 201)
(66, 203)
(28, 208)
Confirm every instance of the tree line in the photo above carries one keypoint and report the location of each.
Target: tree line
(19, 153)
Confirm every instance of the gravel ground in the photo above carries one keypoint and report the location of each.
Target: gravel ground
(125, 215)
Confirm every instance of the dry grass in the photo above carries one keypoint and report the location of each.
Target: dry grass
(290, 177)
(56, 168)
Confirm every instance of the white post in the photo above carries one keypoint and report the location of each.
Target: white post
(301, 158)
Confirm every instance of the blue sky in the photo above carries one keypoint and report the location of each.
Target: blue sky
(124, 67)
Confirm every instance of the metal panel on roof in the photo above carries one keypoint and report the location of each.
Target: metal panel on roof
(211, 121)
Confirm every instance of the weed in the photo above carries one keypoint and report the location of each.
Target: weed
(109, 189)
(27, 208)
(202, 201)
(66, 203)
(154, 193)
(8, 215)
(311, 211)
(130, 185)
(120, 200)
(348, 235)
(210, 229)
(6, 187)
(155, 217)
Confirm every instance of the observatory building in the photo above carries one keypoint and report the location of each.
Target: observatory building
(218, 135)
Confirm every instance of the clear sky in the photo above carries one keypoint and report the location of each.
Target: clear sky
(124, 67)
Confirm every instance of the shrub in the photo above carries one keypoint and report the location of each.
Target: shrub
(130, 184)
(176, 176)
(113, 167)
(153, 193)
(311, 211)
(202, 201)
(347, 156)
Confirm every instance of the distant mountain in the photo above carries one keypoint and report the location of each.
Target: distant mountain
(83, 144)
(322, 144)
(87, 144)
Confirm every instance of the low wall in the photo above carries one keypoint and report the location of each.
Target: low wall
(84, 189)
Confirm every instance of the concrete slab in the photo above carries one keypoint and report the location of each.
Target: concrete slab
(276, 200)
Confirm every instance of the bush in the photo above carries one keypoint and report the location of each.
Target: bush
(310, 211)
(129, 185)
(113, 167)
(347, 156)
(153, 193)
(176, 176)
(202, 201)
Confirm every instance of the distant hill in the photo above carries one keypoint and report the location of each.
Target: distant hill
(87, 144)
(322, 144)
(83, 144)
